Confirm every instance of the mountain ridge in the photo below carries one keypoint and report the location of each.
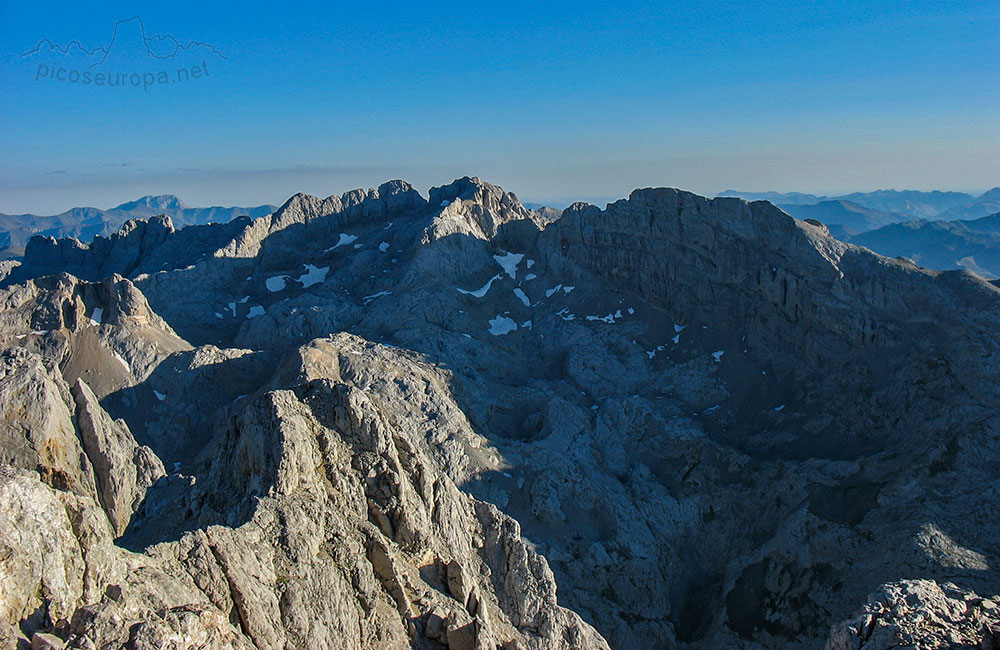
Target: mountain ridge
(717, 425)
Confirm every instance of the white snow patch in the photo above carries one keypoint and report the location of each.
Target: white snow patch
(549, 292)
(124, 363)
(95, 317)
(630, 311)
(718, 355)
(509, 262)
(445, 202)
(526, 324)
(652, 353)
(530, 276)
(567, 289)
(160, 396)
(610, 318)
(255, 310)
(313, 275)
(357, 246)
(710, 409)
(218, 315)
(384, 246)
(275, 284)
(522, 296)
(232, 306)
(481, 291)
(529, 264)
(676, 339)
(565, 314)
(344, 240)
(779, 407)
(679, 328)
(375, 296)
(502, 325)
(40, 332)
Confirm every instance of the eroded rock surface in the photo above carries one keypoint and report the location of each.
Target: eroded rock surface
(374, 420)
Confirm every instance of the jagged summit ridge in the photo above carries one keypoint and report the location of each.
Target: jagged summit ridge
(394, 422)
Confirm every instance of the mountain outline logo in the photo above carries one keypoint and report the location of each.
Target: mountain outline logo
(132, 57)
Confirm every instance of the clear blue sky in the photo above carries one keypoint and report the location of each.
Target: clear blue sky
(556, 102)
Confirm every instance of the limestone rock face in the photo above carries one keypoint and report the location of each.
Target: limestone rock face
(123, 469)
(374, 420)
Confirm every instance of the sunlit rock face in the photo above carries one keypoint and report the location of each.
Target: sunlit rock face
(380, 421)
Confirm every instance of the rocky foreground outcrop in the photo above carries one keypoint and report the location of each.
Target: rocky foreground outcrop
(375, 420)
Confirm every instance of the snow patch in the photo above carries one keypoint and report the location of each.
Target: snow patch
(255, 311)
(502, 325)
(522, 296)
(549, 292)
(275, 284)
(529, 264)
(610, 318)
(313, 275)
(384, 246)
(344, 240)
(779, 407)
(676, 339)
(718, 355)
(480, 292)
(530, 276)
(526, 324)
(375, 296)
(567, 289)
(679, 328)
(445, 202)
(509, 262)
(96, 316)
(565, 314)
(160, 396)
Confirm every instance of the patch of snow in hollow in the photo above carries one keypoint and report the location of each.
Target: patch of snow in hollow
(651, 353)
(679, 328)
(357, 246)
(779, 407)
(394, 260)
(468, 336)
(502, 325)
(445, 202)
(526, 324)
(20, 336)
(676, 339)
(313, 275)
(774, 269)
(275, 284)
(124, 363)
(481, 291)
(40, 332)
(762, 372)
(630, 311)
(374, 296)
(530, 276)
(565, 314)
(568, 289)
(389, 226)
(232, 306)
(244, 298)
(710, 409)
(529, 264)
(506, 474)
(718, 355)
(549, 292)
(610, 318)
(255, 311)
(509, 262)
(218, 315)
(95, 317)
(344, 240)
(522, 297)
(160, 396)
(177, 467)
(384, 246)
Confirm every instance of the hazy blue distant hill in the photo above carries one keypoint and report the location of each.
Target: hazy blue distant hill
(943, 245)
(844, 218)
(86, 223)
(986, 204)
(788, 198)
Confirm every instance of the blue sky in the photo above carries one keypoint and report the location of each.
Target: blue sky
(558, 102)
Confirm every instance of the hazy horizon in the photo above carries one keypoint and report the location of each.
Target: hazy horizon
(553, 103)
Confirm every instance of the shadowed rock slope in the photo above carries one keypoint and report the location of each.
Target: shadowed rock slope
(376, 420)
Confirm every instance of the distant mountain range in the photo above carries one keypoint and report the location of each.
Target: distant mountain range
(85, 223)
(972, 245)
(937, 230)
(908, 204)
